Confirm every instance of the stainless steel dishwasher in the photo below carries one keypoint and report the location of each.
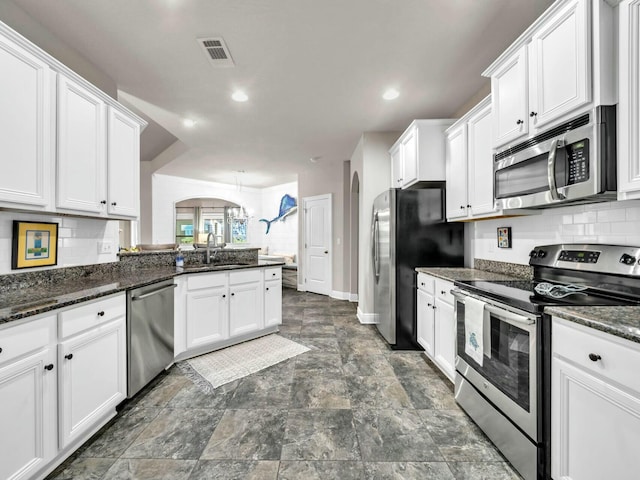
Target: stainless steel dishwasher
(149, 333)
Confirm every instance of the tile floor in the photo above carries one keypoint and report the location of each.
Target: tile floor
(349, 409)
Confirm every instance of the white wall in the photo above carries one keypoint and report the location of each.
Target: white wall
(616, 223)
(283, 235)
(371, 160)
(77, 239)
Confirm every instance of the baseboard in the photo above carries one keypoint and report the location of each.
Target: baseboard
(301, 287)
(366, 318)
(353, 297)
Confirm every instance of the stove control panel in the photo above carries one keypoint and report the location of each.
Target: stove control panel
(579, 256)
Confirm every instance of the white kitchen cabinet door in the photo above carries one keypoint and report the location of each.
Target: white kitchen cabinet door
(456, 155)
(26, 126)
(81, 179)
(28, 416)
(562, 44)
(272, 303)
(396, 167)
(479, 170)
(445, 338)
(409, 153)
(425, 328)
(207, 316)
(595, 427)
(246, 308)
(629, 104)
(92, 378)
(509, 92)
(123, 165)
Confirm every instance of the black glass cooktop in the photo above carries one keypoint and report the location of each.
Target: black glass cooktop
(521, 294)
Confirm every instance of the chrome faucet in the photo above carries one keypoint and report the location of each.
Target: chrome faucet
(215, 244)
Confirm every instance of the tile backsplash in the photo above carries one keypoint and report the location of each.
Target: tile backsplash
(78, 239)
(616, 223)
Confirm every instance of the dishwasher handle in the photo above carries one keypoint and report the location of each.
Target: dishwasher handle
(153, 292)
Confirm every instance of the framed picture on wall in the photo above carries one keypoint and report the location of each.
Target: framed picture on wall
(504, 237)
(34, 244)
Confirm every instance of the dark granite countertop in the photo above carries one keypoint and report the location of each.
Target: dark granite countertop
(452, 274)
(619, 321)
(40, 299)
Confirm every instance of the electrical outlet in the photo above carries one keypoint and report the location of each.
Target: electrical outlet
(105, 247)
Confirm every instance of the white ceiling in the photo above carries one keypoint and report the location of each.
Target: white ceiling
(314, 70)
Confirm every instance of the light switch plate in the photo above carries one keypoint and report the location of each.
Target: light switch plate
(105, 247)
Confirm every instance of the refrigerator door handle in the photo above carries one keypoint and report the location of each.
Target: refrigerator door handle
(374, 246)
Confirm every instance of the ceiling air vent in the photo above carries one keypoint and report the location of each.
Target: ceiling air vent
(216, 51)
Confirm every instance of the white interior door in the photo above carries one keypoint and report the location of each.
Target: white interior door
(317, 241)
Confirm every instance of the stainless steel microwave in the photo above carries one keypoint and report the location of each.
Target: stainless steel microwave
(573, 162)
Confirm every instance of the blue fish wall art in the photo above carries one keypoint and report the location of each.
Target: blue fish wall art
(288, 205)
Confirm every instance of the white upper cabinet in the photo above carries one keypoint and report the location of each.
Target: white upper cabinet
(510, 100)
(26, 126)
(470, 165)
(560, 45)
(123, 165)
(418, 155)
(629, 105)
(81, 149)
(561, 66)
(92, 170)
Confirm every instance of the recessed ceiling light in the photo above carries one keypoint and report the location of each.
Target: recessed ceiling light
(189, 123)
(391, 94)
(240, 96)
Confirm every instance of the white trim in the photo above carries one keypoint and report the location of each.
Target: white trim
(339, 295)
(353, 297)
(301, 287)
(366, 318)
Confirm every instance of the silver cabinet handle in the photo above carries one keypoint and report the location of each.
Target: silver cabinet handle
(153, 292)
(551, 170)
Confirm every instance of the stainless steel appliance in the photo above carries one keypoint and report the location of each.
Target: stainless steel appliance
(572, 162)
(508, 393)
(149, 333)
(409, 230)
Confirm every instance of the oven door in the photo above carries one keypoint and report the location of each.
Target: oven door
(507, 376)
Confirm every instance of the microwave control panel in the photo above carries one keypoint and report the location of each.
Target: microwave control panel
(578, 162)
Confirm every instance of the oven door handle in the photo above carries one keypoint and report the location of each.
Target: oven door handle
(507, 315)
(551, 170)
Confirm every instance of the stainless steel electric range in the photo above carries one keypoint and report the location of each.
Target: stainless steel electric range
(503, 364)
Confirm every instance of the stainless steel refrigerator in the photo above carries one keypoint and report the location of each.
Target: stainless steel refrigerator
(409, 230)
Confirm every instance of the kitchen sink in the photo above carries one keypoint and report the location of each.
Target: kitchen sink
(212, 267)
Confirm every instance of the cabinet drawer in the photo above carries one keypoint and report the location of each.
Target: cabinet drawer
(18, 340)
(273, 273)
(245, 276)
(426, 283)
(91, 314)
(206, 280)
(443, 290)
(619, 358)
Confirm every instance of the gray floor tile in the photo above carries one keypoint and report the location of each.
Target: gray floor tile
(368, 365)
(319, 363)
(377, 392)
(410, 364)
(146, 469)
(319, 391)
(320, 435)
(318, 330)
(178, 434)
(407, 471)
(162, 393)
(458, 438)
(247, 435)
(324, 344)
(235, 470)
(429, 392)
(120, 433)
(483, 471)
(192, 396)
(84, 469)
(343, 470)
(394, 436)
(257, 391)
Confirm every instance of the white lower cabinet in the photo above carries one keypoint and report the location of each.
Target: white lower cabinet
(595, 401)
(92, 378)
(27, 398)
(436, 327)
(61, 377)
(218, 309)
